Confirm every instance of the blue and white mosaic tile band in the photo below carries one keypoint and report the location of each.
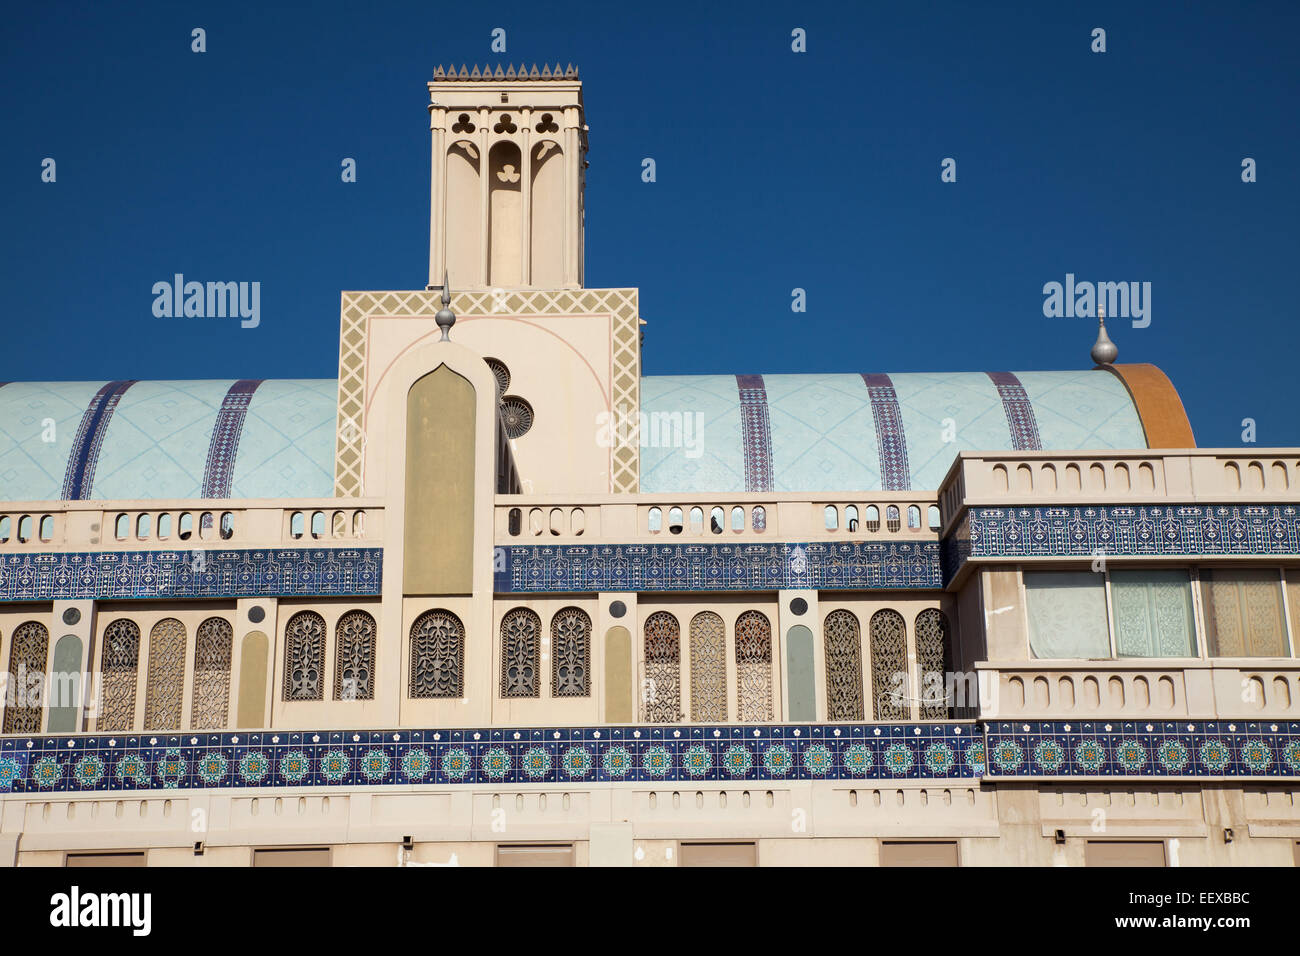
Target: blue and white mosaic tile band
(1258, 750)
(525, 755)
(1155, 530)
(1143, 749)
(849, 565)
(192, 573)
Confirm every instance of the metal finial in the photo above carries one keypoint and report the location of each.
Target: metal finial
(1104, 352)
(445, 317)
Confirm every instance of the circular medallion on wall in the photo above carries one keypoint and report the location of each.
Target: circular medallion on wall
(617, 609)
(72, 616)
(257, 614)
(798, 606)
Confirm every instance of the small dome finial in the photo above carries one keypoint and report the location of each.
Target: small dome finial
(1104, 352)
(445, 317)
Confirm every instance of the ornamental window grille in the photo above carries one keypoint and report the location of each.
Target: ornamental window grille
(304, 657)
(213, 643)
(889, 665)
(118, 664)
(520, 630)
(843, 646)
(164, 693)
(516, 416)
(570, 653)
(28, 647)
(354, 657)
(708, 667)
(662, 690)
(501, 372)
(754, 666)
(437, 655)
(932, 658)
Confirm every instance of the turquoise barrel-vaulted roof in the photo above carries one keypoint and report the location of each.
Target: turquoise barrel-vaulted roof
(866, 432)
(198, 439)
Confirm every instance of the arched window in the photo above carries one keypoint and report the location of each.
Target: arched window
(4, 529)
(571, 653)
(932, 658)
(339, 524)
(304, 656)
(697, 521)
(254, 654)
(618, 676)
(717, 517)
(892, 520)
(801, 680)
(515, 522)
(118, 664)
(213, 643)
(760, 518)
(843, 643)
(227, 525)
(164, 691)
(871, 518)
(754, 666)
(359, 524)
(851, 518)
(65, 687)
(46, 529)
(142, 526)
(164, 525)
(296, 525)
(185, 527)
(437, 655)
(318, 524)
(913, 517)
(675, 521)
(520, 635)
(354, 657)
(889, 665)
(662, 690)
(934, 518)
(28, 647)
(206, 525)
(737, 518)
(654, 520)
(121, 527)
(25, 529)
(708, 667)
(831, 517)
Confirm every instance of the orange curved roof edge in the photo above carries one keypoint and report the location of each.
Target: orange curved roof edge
(1164, 420)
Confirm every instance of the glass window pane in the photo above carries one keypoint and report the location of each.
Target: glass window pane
(1067, 614)
(1243, 612)
(1152, 613)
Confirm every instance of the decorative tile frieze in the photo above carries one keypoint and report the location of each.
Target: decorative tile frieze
(556, 755)
(853, 565)
(1134, 750)
(1257, 749)
(1129, 531)
(190, 573)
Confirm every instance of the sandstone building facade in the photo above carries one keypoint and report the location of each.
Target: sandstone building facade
(495, 597)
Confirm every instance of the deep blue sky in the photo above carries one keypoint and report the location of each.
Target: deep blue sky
(775, 170)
